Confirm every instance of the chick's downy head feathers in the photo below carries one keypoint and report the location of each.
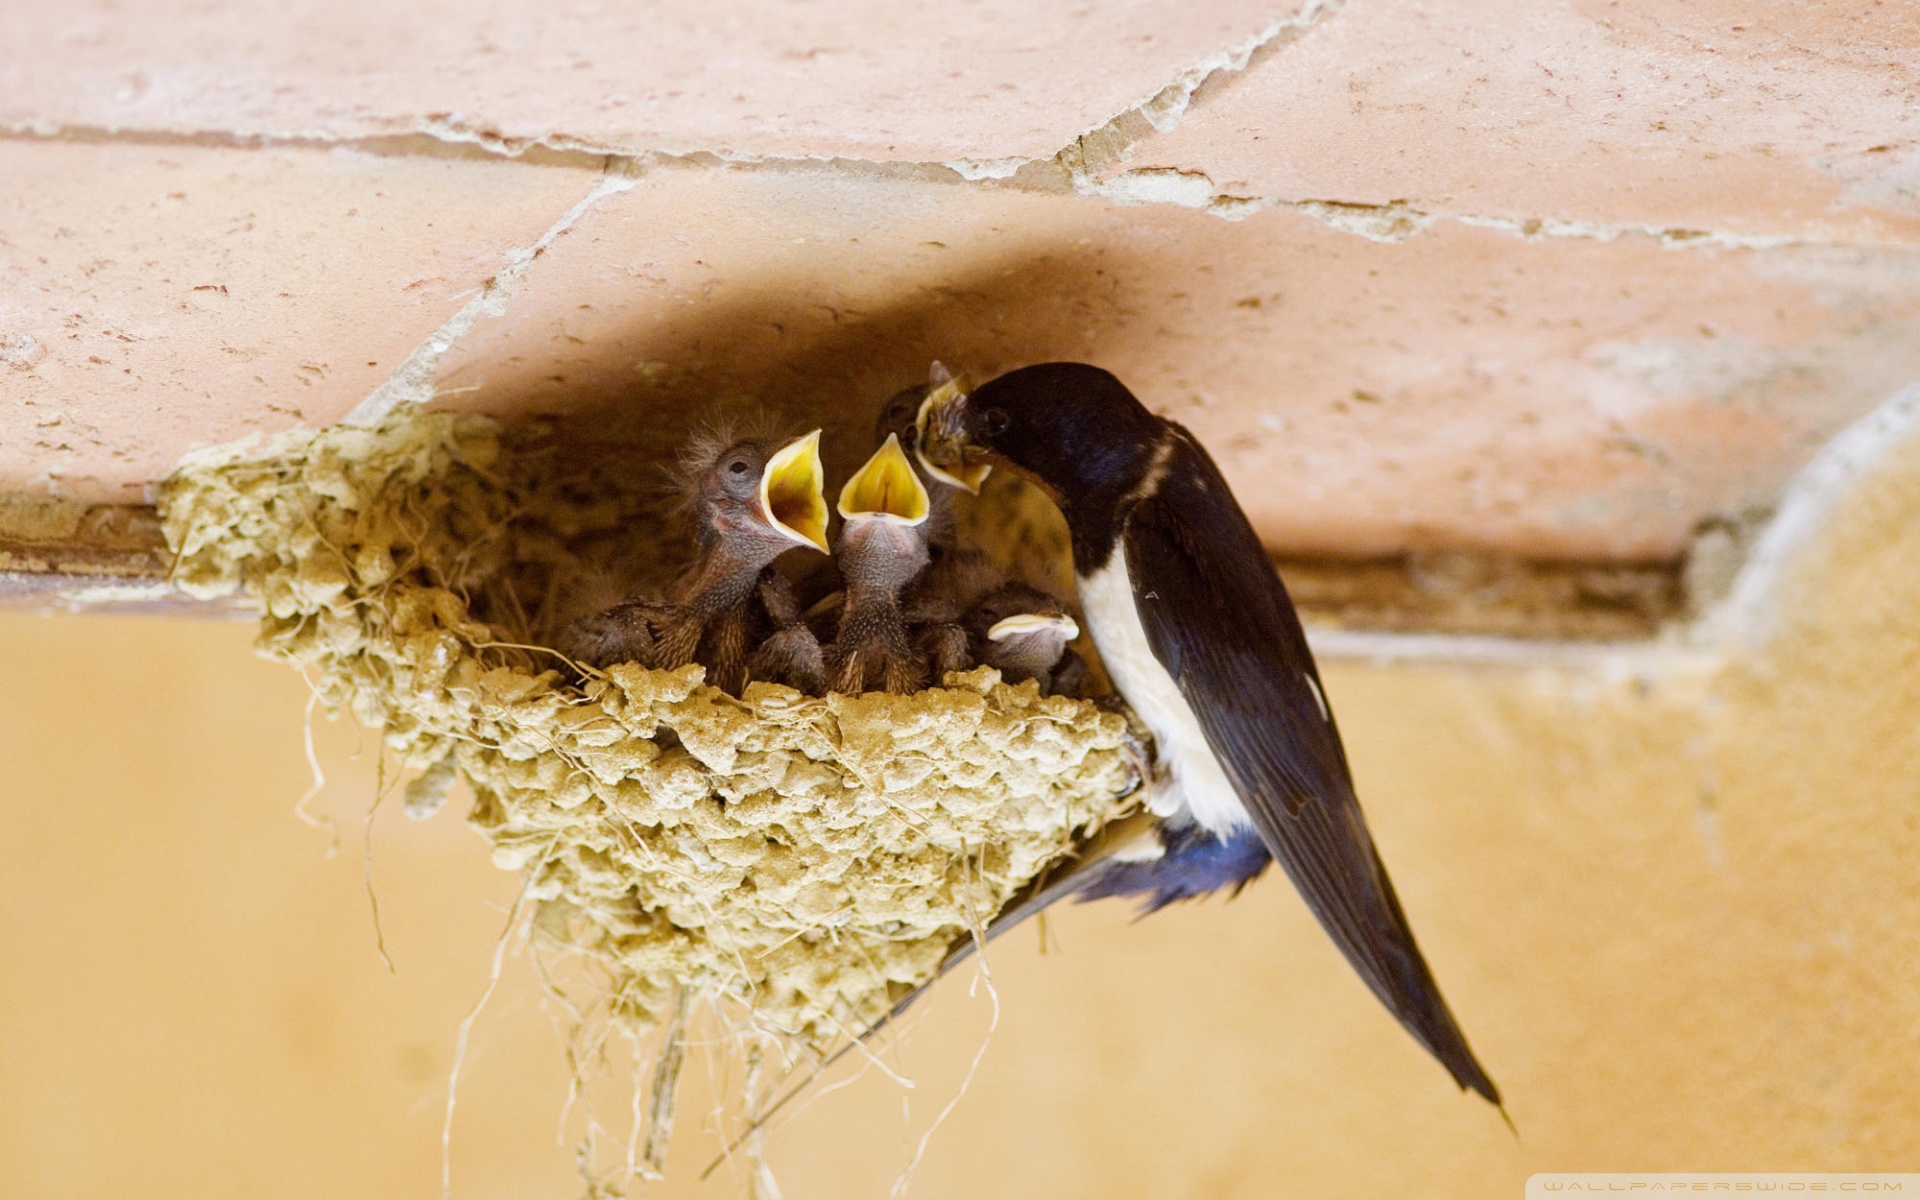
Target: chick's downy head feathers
(1017, 610)
(761, 491)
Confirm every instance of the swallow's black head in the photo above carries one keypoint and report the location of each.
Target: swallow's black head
(1073, 427)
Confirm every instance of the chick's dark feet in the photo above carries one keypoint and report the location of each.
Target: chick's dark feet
(623, 633)
(791, 656)
(873, 654)
(945, 645)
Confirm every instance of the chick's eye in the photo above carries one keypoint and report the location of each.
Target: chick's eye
(994, 422)
(739, 466)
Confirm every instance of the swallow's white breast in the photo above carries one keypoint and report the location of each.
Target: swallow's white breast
(1112, 616)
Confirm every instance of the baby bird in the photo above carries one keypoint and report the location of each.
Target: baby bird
(882, 548)
(954, 577)
(753, 499)
(900, 417)
(1023, 633)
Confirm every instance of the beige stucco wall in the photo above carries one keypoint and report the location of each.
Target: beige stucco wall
(1669, 890)
(1558, 282)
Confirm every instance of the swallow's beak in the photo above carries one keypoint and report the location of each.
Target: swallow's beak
(941, 439)
(793, 495)
(886, 488)
(1024, 623)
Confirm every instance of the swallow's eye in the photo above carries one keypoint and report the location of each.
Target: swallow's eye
(994, 422)
(739, 466)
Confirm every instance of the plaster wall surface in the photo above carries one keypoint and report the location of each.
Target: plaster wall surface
(1667, 888)
(1562, 281)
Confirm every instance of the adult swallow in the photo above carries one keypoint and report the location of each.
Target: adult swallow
(753, 500)
(1199, 637)
(882, 548)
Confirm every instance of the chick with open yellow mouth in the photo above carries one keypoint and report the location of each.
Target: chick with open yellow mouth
(940, 442)
(753, 499)
(881, 549)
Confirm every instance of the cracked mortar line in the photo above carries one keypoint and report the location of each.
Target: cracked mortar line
(1393, 221)
(1077, 167)
(1397, 220)
(416, 379)
(1110, 141)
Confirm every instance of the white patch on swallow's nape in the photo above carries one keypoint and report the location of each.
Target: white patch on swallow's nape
(1313, 685)
(1156, 472)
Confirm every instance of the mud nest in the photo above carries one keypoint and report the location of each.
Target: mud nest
(812, 859)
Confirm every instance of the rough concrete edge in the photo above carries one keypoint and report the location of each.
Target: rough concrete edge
(1752, 612)
(146, 595)
(1750, 615)
(417, 377)
(1399, 220)
(1073, 169)
(1166, 107)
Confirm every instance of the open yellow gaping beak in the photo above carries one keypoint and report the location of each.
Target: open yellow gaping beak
(1021, 623)
(887, 488)
(793, 492)
(940, 444)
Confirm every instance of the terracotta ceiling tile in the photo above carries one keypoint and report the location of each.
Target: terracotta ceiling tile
(158, 298)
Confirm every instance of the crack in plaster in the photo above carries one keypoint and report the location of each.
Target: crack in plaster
(431, 138)
(1165, 110)
(1398, 220)
(1110, 141)
(1393, 221)
(1076, 167)
(416, 379)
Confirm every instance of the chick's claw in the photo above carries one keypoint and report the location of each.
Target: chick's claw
(877, 663)
(945, 645)
(791, 656)
(623, 633)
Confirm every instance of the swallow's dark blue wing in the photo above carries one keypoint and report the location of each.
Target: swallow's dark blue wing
(1219, 620)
